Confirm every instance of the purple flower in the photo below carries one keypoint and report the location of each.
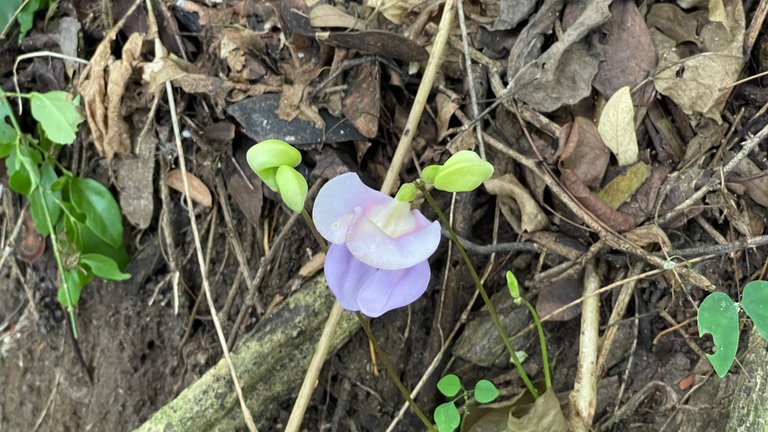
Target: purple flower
(378, 258)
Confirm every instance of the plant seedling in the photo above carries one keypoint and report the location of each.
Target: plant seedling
(447, 416)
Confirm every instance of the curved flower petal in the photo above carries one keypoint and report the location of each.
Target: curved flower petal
(346, 276)
(391, 289)
(336, 202)
(368, 243)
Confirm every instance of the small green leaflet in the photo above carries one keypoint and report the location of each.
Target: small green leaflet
(447, 417)
(103, 267)
(719, 316)
(485, 391)
(23, 170)
(754, 301)
(514, 289)
(102, 214)
(58, 114)
(449, 385)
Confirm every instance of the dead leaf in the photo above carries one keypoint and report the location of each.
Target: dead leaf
(757, 187)
(647, 235)
(446, 107)
(618, 221)
(325, 15)
(558, 243)
(512, 13)
(582, 151)
(134, 180)
(393, 10)
(617, 127)
(558, 294)
(630, 56)
(363, 99)
(249, 197)
(622, 187)
(383, 43)
(699, 83)
(674, 23)
(197, 189)
(545, 416)
(532, 218)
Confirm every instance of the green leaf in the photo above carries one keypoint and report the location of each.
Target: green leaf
(754, 301)
(514, 289)
(485, 391)
(76, 280)
(26, 17)
(8, 11)
(268, 155)
(429, 173)
(57, 114)
(102, 214)
(447, 417)
(103, 267)
(463, 172)
(43, 195)
(719, 316)
(23, 170)
(8, 134)
(449, 385)
(292, 187)
(87, 242)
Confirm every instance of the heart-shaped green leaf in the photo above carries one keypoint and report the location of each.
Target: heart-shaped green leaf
(449, 385)
(485, 391)
(754, 301)
(719, 316)
(447, 417)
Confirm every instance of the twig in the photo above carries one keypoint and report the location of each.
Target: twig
(470, 81)
(10, 241)
(494, 248)
(159, 51)
(403, 148)
(583, 398)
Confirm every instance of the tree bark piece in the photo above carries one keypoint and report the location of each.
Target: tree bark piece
(270, 362)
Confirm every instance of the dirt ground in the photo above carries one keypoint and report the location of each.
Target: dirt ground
(339, 85)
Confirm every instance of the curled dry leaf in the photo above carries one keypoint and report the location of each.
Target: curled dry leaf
(617, 127)
(393, 10)
(361, 104)
(532, 218)
(197, 189)
(757, 185)
(325, 15)
(582, 151)
(545, 416)
(616, 220)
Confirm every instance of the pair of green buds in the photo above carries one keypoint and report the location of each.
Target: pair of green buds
(275, 162)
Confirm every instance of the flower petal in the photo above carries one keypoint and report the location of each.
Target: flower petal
(336, 202)
(391, 289)
(368, 243)
(346, 275)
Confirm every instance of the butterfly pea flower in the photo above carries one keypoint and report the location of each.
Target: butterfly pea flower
(377, 260)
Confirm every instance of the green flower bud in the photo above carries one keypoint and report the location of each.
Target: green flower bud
(406, 193)
(514, 289)
(292, 187)
(272, 153)
(463, 172)
(429, 173)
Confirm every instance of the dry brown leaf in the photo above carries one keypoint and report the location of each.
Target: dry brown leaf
(757, 188)
(582, 151)
(647, 235)
(532, 218)
(393, 10)
(118, 139)
(325, 15)
(446, 107)
(249, 198)
(197, 189)
(545, 416)
(630, 56)
(618, 221)
(558, 294)
(135, 183)
(363, 99)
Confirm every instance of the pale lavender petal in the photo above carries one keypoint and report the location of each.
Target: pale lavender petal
(391, 289)
(346, 276)
(336, 202)
(374, 247)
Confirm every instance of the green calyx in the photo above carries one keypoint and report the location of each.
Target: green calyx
(406, 193)
(274, 161)
(462, 172)
(514, 289)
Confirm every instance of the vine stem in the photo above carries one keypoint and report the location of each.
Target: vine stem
(542, 340)
(391, 372)
(479, 285)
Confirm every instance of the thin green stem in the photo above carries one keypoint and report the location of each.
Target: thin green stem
(479, 285)
(57, 254)
(542, 341)
(391, 373)
(313, 228)
(15, 124)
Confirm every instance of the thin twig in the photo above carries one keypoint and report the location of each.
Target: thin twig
(470, 81)
(583, 398)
